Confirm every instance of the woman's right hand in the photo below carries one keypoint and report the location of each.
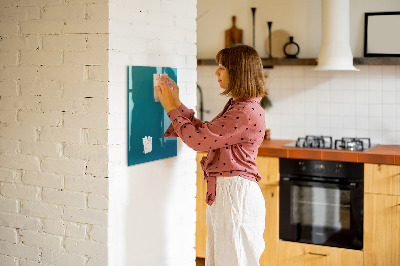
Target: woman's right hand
(175, 91)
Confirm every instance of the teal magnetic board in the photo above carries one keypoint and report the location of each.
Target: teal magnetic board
(147, 119)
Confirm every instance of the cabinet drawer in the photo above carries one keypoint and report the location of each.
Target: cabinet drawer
(299, 254)
(382, 179)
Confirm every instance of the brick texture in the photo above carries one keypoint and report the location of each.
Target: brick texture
(53, 118)
(63, 131)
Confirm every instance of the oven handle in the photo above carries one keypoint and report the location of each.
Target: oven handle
(318, 254)
(310, 182)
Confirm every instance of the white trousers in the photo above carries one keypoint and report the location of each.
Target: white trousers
(235, 223)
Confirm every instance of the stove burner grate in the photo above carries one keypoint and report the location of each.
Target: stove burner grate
(326, 142)
(353, 144)
(323, 142)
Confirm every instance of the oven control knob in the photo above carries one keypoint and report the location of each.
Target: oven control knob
(338, 168)
(302, 166)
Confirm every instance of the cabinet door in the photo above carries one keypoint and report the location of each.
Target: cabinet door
(381, 230)
(382, 179)
(268, 167)
(271, 232)
(299, 254)
(201, 205)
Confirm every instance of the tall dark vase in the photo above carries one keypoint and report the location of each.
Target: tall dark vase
(253, 10)
(269, 39)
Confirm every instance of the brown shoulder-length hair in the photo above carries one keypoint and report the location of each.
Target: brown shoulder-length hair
(245, 69)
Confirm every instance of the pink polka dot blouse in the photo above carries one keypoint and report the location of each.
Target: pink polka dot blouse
(232, 139)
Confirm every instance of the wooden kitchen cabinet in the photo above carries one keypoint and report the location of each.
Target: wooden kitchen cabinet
(268, 168)
(271, 232)
(381, 230)
(382, 179)
(201, 205)
(382, 215)
(300, 254)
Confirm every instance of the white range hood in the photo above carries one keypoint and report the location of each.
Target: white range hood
(335, 53)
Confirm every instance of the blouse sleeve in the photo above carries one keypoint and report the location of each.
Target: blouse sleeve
(187, 113)
(231, 128)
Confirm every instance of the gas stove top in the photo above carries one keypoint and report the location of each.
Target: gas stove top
(326, 142)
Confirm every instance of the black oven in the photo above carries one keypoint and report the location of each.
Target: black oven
(321, 202)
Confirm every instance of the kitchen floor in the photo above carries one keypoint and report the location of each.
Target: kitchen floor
(200, 262)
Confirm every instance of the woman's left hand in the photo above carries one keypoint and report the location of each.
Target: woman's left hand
(165, 96)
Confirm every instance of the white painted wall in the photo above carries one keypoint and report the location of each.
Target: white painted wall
(341, 104)
(296, 17)
(336, 103)
(152, 205)
(301, 19)
(53, 133)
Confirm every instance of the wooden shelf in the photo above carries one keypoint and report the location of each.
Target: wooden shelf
(289, 62)
(269, 63)
(377, 61)
(206, 62)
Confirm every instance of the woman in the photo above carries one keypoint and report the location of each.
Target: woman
(236, 212)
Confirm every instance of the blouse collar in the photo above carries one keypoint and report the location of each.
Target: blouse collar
(256, 99)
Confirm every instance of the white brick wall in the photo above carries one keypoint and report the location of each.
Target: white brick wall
(148, 201)
(53, 132)
(60, 139)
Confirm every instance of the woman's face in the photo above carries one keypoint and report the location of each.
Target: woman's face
(223, 76)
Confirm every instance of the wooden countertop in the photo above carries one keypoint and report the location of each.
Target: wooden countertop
(380, 154)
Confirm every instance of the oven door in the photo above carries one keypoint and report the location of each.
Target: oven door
(321, 212)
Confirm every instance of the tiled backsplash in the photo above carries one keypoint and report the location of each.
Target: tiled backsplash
(365, 103)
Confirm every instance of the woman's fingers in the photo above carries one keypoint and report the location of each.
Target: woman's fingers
(163, 91)
(163, 88)
(162, 84)
(173, 83)
(165, 97)
(169, 82)
(175, 90)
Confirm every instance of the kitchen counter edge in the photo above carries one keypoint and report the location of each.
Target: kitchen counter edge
(379, 154)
